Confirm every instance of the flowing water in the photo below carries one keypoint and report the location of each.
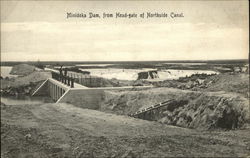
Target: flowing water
(132, 74)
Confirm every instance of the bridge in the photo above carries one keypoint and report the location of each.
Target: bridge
(63, 89)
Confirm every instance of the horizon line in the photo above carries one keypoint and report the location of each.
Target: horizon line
(177, 60)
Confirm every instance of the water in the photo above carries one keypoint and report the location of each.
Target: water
(132, 74)
(176, 74)
(120, 74)
(5, 72)
(98, 65)
(20, 100)
(126, 74)
(25, 100)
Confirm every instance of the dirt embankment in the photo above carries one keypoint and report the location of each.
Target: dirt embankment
(229, 82)
(236, 83)
(63, 130)
(202, 110)
(22, 69)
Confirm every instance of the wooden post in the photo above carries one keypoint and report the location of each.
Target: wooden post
(58, 94)
(68, 79)
(53, 92)
(72, 82)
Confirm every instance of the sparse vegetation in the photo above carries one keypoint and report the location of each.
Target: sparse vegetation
(212, 112)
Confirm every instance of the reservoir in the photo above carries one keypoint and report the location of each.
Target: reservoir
(5, 71)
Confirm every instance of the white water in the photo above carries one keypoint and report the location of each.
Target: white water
(176, 74)
(120, 74)
(132, 74)
(186, 63)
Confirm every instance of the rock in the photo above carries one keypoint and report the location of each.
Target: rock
(199, 81)
(27, 136)
(128, 154)
(148, 75)
(165, 120)
(182, 122)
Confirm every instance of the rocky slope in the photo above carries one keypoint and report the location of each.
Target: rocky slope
(229, 82)
(201, 110)
(22, 69)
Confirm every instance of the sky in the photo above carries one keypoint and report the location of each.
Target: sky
(40, 30)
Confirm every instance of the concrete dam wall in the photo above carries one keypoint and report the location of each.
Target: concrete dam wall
(79, 95)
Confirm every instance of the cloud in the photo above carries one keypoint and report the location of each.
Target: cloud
(106, 41)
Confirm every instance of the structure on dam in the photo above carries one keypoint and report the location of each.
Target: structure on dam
(63, 89)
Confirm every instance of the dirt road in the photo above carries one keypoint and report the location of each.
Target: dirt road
(62, 130)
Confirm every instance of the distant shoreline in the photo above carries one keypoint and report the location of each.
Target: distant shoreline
(228, 61)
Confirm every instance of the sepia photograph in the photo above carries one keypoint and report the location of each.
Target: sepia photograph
(124, 79)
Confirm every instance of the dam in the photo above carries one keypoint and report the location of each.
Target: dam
(62, 90)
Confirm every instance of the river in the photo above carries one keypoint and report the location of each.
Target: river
(25, 100)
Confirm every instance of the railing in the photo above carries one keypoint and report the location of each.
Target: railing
(152, 107)
(89, 81)
(85, 80)
(67, 80)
